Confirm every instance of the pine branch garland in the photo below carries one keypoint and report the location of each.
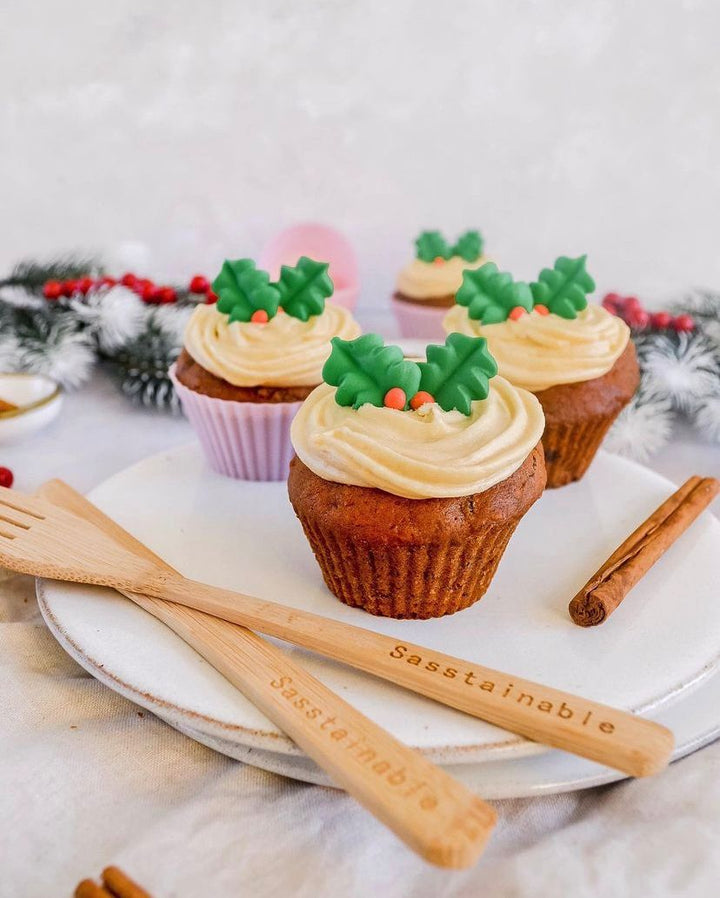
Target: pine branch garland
(32, 275)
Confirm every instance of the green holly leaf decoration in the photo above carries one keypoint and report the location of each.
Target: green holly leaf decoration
(563, 288)
(365, 370)
(431, 245)
(491, 295)
(304, 288)
(458, 373)
(243, 290)
(469, 246)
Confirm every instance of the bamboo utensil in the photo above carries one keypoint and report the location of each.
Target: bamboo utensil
(429, 810)
(45, 540)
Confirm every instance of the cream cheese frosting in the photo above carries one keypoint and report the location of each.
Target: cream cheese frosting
(428, 280)
(284, 352)
(423, 454)
(541, 351)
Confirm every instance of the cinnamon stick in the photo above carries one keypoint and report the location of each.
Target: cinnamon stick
(606, 589)
(6, 406)
(120, 885)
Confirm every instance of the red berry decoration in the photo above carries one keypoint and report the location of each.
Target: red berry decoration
(85, 284)
(166, 295)
(419, 399)
(148, 292)
(199, 284)
(260, 316)
(661, 320)
(541, 309)
(638, 319)
(395, 398)
(107, 282)
(683, 323)
(69, 287)
(631, 304)
(612, 302)
(6, 477)
(211, 297)
(53, 290)
(129, 280)
(516, 313)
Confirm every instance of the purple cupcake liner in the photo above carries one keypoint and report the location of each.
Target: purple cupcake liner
(418, 321)
(244, 440)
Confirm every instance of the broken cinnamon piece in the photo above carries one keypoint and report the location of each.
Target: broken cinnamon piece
(89, 889)
(121, 885)
(606, 589)
(7, 406)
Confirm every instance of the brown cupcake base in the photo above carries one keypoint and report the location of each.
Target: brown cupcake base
(196, 378)
(432, 302)
(577, 417)
(410, 558)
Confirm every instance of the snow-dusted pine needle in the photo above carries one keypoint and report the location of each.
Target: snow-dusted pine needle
(62, 353)
(642, 428)
(112, 316)
(706, 417)
(683, 367)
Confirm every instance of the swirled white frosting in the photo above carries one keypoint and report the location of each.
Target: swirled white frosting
(423, 454)
(541, 351)
(284, 352)
(429, 280)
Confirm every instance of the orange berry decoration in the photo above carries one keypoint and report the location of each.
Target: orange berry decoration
(421, 398)
(260, 316)
(541, 309)
(516, 313)
(395, 398)
(438, 260)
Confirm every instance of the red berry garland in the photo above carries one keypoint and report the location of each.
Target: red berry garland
(53, 290)
(199, 284)
(631, 310)
(6, 477)
(147, 290)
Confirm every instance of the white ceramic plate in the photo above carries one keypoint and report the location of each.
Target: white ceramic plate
(694, 719)
(665, 637)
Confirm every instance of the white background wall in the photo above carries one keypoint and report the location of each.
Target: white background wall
(197, 129)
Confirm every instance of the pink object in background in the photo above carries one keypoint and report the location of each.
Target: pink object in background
(420, 322)
(322, 243)
(244, 440)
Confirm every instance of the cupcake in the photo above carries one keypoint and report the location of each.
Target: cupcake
(250, 360)
(575, 356)
(410, 478)
(426, 287)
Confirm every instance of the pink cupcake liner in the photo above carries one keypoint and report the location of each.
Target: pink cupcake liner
(418, 321)
(244, 440)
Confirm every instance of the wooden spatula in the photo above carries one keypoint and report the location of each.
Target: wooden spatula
(432, 812)
(38, 538)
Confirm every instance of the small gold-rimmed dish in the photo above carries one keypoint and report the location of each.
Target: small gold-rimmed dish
(29, 403)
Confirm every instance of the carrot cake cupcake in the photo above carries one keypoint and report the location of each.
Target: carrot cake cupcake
(410, 478)
(426, 287)
(250, 360)
(575, 356)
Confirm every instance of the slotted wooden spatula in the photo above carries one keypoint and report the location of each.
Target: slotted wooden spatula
(38, 538)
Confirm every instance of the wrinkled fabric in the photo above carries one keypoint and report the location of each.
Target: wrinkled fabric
(88, 779)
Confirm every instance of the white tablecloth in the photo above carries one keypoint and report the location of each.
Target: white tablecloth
(88, 779)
